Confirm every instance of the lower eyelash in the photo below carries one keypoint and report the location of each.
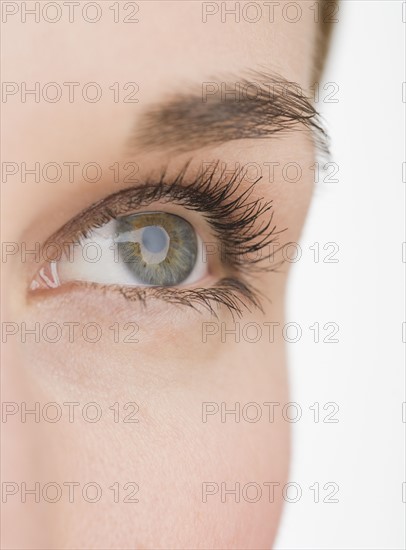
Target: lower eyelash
(231, 293)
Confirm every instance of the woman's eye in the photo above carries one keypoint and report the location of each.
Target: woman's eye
(125, 242)
(143, 249)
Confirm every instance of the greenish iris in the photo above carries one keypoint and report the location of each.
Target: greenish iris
(158, 248)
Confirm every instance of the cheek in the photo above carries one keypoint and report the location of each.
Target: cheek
(200, 482)
(166, 436)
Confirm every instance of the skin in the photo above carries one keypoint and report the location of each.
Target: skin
(170, 372)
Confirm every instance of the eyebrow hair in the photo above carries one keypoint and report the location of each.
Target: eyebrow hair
(256, 105)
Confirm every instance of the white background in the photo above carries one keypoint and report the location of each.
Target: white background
(364, 213)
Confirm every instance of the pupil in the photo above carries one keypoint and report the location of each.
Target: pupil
(154, 239)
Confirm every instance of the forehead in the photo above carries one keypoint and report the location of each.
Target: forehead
(157, 42)
(79, 76)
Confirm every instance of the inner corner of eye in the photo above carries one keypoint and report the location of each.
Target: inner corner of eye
(142, 249)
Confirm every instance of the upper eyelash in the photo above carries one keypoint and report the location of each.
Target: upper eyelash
(231, 215)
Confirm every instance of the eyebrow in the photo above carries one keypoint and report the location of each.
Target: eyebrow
(252, 106)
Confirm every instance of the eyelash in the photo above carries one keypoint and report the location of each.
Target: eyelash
(231, 216)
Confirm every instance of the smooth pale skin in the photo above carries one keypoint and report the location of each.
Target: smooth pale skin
(170, 372)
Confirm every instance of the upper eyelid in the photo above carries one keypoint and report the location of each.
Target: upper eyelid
(131, 199)
(121, 203)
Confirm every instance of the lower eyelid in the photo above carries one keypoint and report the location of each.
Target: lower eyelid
(233, 294)
(228, 294)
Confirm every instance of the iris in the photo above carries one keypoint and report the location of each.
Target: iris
(158, 248)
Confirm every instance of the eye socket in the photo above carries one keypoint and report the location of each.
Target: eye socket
(144, 249)
(158, 255)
